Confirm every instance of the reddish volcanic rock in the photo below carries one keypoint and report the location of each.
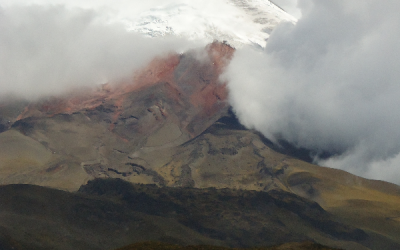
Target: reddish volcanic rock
(114, 130)
(190, 83)
(158, 70)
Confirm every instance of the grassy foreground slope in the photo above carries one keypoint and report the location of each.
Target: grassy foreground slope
(107, 214)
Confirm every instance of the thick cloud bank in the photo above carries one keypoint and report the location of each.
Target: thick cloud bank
(331, 83)
(48, 49)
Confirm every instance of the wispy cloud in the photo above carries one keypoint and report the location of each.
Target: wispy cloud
(290, 6)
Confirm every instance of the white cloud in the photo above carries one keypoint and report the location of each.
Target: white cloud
(329, 83)
(49, 46)
(49, 49)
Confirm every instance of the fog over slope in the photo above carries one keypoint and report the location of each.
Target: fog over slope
(49, 49)
(49, 46)
(329, 83)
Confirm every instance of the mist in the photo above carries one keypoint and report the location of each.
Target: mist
(329, 83)
(49, 49)
(290, 6)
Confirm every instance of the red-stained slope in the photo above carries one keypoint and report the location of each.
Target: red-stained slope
(189, 80)
(159, 69)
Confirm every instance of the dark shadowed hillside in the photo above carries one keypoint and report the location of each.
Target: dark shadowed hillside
(107, 214)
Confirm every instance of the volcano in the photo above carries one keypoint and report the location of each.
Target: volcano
(159, 155)
(171, 126)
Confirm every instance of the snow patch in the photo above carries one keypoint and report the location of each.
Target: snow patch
(238, 22)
